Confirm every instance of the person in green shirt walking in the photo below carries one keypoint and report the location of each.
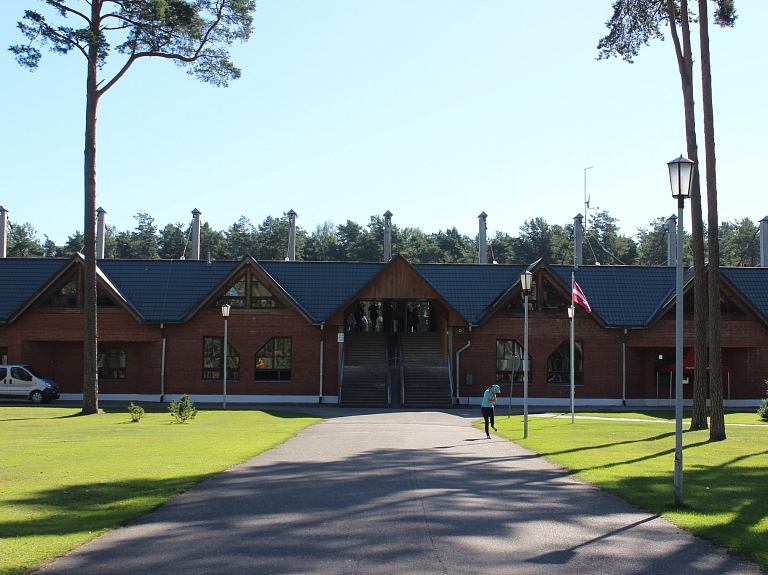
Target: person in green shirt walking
(489, 401)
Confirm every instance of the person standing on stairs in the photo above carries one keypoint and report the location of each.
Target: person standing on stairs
(489, 401)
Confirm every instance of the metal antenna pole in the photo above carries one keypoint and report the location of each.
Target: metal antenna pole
(586, 203)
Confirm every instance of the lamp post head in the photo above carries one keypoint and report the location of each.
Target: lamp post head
(680, 177)
(225, 310)
(526, 280)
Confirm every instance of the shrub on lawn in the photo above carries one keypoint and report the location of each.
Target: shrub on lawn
(183, 409)
(763, 410)
(136, 411)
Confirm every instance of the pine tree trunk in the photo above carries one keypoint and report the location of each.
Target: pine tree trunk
(699, 413)
(717, 429)
(685, 64)
(90, 353)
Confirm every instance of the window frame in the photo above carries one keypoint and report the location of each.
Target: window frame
(267, 373)
(107, 352)
(560, 377)
(216, 372)
(517, 375)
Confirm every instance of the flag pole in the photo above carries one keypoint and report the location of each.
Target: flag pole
(573, 320)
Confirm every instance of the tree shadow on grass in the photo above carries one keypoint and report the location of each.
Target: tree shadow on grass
(93, 506)
(386, 510)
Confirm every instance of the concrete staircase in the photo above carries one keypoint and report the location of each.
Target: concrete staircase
(364, 380)
(427, 380)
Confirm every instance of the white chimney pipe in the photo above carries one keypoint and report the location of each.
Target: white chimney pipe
(388, 235)
(578, 236)
(481, 240)
(3, 231)
(100, 224)
(292, 235)
(671, 230)
(763, 242)
(196, 234)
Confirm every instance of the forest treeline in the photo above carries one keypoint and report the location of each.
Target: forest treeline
(603, 243)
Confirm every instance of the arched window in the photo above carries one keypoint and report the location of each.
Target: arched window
(559, 363)
(273, 361)
(111, 363)
(213, 365)
(509, 362)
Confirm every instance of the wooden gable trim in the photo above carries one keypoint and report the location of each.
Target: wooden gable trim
(742, 300)
(398, 280)
(63, 272)
(234, 275)
(539, 269)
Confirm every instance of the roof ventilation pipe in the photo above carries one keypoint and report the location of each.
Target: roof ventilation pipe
(100, 229)
(671, 230)
(196, 234)
(763, 241)
(481, 240)
(3, 231)
(578, 236)
(292, 235)
(387, 235)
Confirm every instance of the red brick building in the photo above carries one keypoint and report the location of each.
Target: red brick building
(413, 335)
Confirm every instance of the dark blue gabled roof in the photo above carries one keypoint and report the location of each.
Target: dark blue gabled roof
(753, 283)
(471, 288)
(624, 296)
(169, 290)
(22, 278)
(321, 288)
(164, 290)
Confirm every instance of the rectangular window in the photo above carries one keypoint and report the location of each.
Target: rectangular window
(213, 351)
(509, 363)
(559, 363)
(273, 361)
(111, 363)
(3, 356)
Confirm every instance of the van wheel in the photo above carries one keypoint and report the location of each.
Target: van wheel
(36, 397)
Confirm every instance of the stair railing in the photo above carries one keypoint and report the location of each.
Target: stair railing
(402, 370)
(341, 376)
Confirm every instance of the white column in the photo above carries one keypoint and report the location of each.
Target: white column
(100, 229)
(482, 240)
(578, 235)
(196, 234)
(3, 231)
(292, 235)
(671, 230)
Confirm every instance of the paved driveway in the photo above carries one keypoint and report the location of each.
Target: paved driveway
(394, 493)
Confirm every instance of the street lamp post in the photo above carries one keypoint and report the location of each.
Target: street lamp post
(526, 280)
(680, 172)
(225, 313)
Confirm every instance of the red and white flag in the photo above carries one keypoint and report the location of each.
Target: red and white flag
(579, 298)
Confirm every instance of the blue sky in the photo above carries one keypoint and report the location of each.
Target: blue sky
(434, 110)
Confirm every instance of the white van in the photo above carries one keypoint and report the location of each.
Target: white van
(21, 382)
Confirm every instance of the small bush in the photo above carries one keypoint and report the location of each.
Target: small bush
(136, 411)
(763, 410)
(183, 409)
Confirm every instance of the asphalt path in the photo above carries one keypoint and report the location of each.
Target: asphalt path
(393, 493)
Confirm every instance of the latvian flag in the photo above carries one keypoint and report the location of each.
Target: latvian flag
(580, 298)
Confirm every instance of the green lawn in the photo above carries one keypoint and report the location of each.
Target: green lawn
(725, 483)
(749, 417)
(64, 479)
